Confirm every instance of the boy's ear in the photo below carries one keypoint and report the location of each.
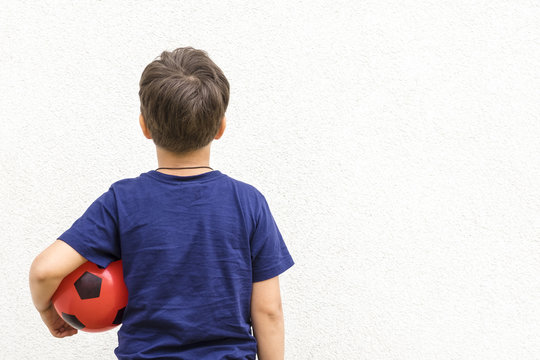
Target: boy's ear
(144, 129)
(221, 128)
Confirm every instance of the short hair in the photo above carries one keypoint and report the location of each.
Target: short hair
(184, 96)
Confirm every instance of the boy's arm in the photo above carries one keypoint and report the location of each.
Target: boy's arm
(267, 319)
(47, 271)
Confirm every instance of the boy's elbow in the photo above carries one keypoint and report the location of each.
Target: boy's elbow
(39, 271)
(275, 311)
(266, 299)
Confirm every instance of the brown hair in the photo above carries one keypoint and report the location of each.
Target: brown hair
(184, 96)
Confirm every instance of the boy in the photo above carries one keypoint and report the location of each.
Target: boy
(201, 251)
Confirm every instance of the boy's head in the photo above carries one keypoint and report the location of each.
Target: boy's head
(184, 96)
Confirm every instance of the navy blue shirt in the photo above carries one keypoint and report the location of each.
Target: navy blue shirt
(191, 247)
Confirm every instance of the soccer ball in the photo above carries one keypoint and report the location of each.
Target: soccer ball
(92, 298)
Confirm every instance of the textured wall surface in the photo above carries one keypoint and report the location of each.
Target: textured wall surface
(397, 143)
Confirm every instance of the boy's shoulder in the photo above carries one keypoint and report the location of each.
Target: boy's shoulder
(245, 186)
(222, 179)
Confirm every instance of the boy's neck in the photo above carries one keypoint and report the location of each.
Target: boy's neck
(200, 157)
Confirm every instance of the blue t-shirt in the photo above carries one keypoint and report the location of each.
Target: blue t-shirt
(191, 247)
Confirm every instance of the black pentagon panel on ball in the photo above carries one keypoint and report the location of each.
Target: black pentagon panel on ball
(88, 286)
(119, 316)
(73, 321)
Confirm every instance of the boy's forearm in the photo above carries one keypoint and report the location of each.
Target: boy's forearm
(269, 330)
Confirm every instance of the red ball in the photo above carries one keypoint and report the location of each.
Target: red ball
(91, 298)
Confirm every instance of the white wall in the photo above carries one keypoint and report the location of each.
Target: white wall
(396, 141)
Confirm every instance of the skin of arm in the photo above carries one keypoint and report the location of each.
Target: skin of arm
(46, 272)
(267, 319)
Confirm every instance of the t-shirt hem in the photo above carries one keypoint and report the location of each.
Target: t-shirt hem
(84, 251)
(285, 264)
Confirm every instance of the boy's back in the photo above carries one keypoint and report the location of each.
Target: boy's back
(191, 248)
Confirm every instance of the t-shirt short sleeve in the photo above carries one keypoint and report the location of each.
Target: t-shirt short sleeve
(269, 254)
(94, 235)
